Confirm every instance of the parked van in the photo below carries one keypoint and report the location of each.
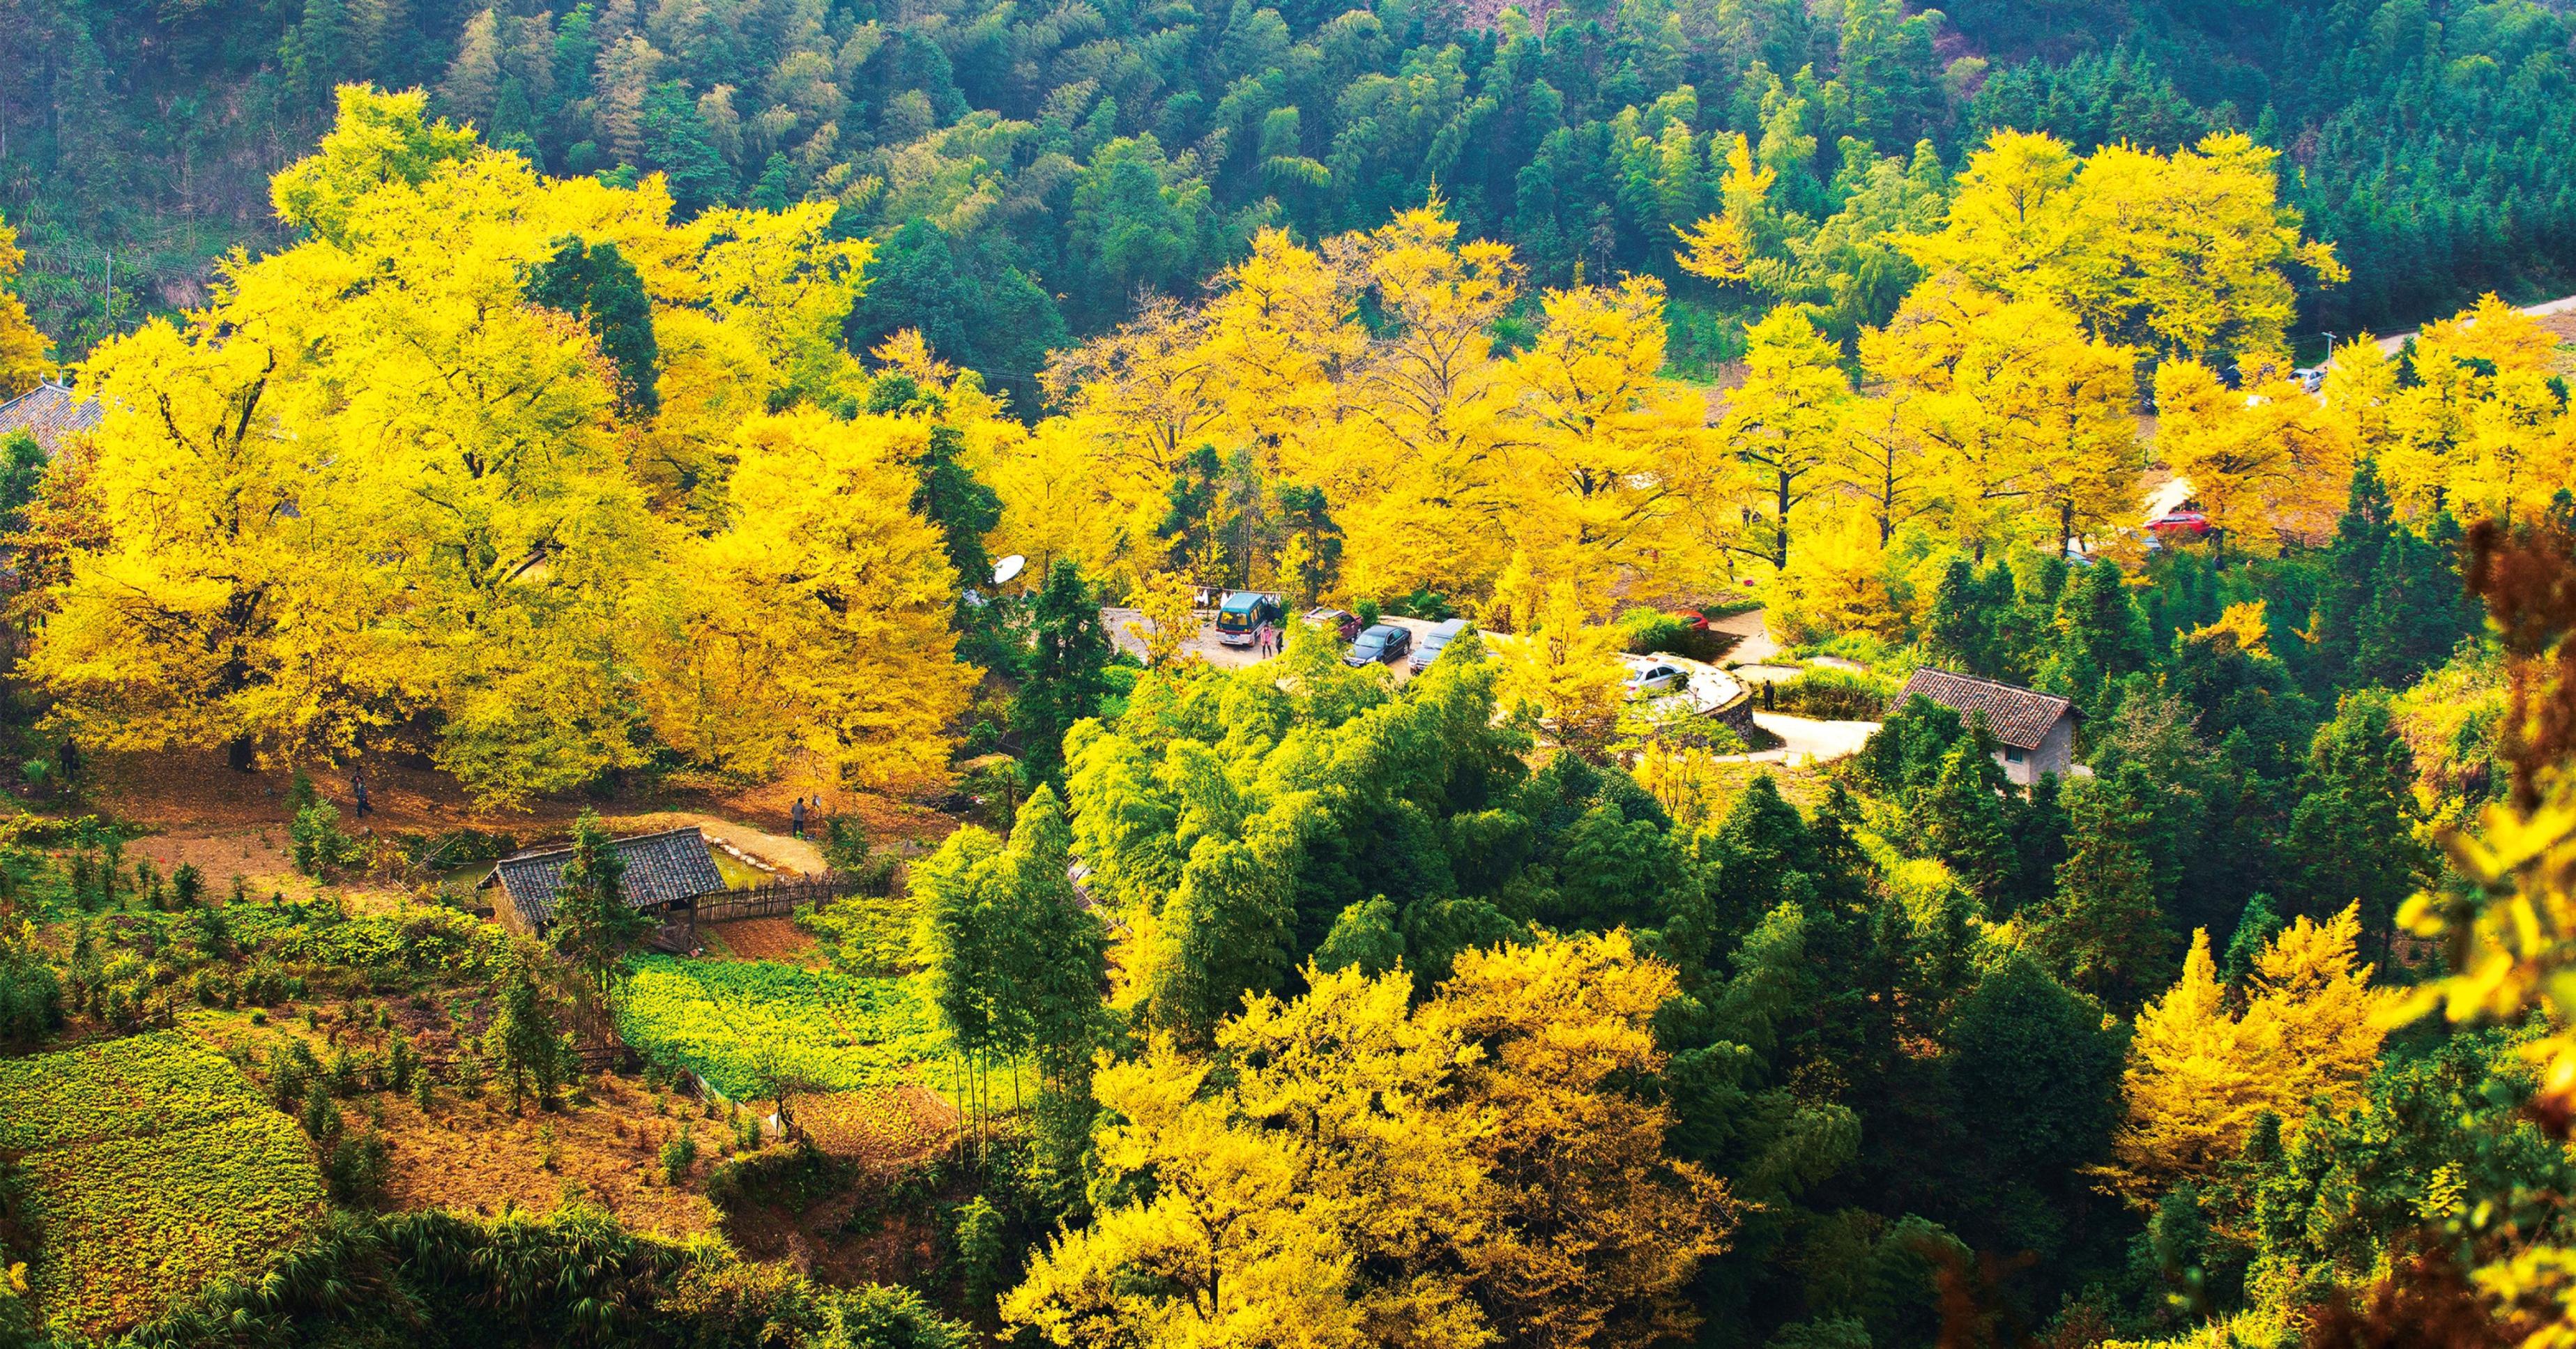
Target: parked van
(1440, 635)
(1243, 613)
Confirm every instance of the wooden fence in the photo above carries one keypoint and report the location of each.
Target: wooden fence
(774, 899)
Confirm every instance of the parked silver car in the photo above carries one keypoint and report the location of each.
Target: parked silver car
(1432, 641)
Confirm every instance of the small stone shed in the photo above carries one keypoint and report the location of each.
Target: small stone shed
(2037, 729)
(666, 874)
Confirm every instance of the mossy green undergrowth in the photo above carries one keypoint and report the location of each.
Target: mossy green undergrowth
(157, 1167)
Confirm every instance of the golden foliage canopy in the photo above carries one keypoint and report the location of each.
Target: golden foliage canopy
(1440, 455)
(1370, 1173)
(25, 354)
(2200, 1074)
(374, 495)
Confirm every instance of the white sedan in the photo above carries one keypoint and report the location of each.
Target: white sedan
(1655, 678)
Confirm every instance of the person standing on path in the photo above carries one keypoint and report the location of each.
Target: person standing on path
(358, 790)
(796, 818)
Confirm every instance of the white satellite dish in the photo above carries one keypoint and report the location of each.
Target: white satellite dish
(1008, 567)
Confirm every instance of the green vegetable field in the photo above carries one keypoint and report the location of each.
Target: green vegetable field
(840, 1032)
(157, 1166)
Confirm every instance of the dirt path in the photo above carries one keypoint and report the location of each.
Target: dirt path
(790, 856)
(2563, 305)
(1754, 644)
(1806, 742)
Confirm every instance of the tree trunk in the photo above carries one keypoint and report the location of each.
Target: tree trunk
(239, 756)
(1780, 530)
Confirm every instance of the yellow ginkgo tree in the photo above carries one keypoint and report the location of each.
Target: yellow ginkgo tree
(24, 352)
(2201, 1074)
(376, 495)
(1371, 1172)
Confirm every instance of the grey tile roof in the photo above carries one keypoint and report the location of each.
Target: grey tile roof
(2018, 716)
(52, 414)
(661, 869)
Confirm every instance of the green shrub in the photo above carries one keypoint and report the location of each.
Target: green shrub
(678, 1151)
(1835, 695)
(31, 996)
(984, 1249)
(995, 789)
(794, 1176)
(291, 1070)
(1425, 604)
(1648, 630)
(357, 1171)
(188, 884)
(317, 843)
(848, 851)
(453, 848)
(321, 1114)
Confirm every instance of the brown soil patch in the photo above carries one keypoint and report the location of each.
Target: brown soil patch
(758, 939)
(258, 856)
(885, 1130)
(180, 791)
(857, 1236)
(479, 1155)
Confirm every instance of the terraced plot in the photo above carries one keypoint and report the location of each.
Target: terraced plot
(735, 1021)
(158, 1168)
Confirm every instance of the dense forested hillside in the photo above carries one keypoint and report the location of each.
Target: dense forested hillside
(755, 672)
(1033, 167)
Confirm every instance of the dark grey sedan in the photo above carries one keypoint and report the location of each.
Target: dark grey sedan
(1383, 642)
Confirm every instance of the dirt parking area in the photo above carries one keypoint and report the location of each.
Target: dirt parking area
(1204, 645)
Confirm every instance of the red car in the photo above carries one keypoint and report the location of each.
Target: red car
(1691, 619)
(1345, 625)
(2184, 524)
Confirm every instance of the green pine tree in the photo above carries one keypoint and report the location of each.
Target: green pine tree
(594, 927)
(2103, 932)
(676, 145)
(1960, 633)
(597, 284)
(1961, 818)
(526, 1042)
(2352, 834)
(1066, 674)
(2097, 637)
(961, 504)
